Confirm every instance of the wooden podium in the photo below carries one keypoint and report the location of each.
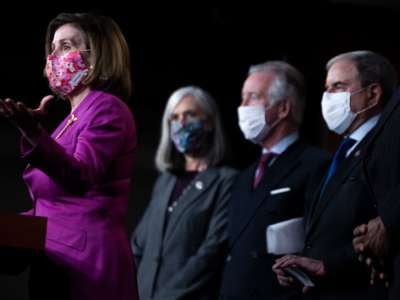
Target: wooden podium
(21, 237)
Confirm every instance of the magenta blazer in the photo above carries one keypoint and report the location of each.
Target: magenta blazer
(79, 178)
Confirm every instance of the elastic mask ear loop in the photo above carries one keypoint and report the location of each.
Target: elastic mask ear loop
(366, 108)
(277, 121)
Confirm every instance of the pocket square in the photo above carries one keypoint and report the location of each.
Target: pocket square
(280, 191)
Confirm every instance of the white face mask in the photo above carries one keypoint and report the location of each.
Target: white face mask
(336, 110)
(252, 122)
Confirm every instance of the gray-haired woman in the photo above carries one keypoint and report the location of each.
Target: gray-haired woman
(178, 243)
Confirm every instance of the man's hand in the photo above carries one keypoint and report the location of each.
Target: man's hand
(283, 278)
(312, 266)
(371, 243)
(371, 238)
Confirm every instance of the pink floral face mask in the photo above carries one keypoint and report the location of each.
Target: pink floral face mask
(66, 72)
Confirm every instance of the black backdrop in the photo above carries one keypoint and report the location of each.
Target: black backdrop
(209, 46)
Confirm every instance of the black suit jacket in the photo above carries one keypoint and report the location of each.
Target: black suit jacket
(247, 272)
(381, 166)
(330, 219)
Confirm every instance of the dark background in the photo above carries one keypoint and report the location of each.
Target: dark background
(200, 44)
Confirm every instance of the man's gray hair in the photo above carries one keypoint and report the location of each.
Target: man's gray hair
(372, 68)
(289, 84)
(167, 157)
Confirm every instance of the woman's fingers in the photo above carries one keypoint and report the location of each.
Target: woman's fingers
(8, 108)
(44, 105)
(3, 108)
(10, 104)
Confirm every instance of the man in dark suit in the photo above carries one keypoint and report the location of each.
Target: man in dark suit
(272, 189)
(379, 238)
(357, 86)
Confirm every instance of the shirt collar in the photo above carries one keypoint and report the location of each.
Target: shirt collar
(363, 130)
(283, 144)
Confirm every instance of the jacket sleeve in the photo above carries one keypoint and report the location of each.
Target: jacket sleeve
(208, 260)
(99, 143)
(383, 170)
(389, 211)
(342, 264)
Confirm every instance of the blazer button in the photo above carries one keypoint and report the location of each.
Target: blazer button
(308, 246)
(254, 254)
(228, 258)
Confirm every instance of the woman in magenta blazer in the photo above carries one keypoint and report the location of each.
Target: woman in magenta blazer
(79, 176)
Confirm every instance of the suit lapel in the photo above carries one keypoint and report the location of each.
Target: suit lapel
(200, 184)
(315, 198)
(321, 201)
(159, 226)
(324, 200)
(281, 168)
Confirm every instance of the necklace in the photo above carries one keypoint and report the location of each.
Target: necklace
(198, 184)
(70, 121)
(175, 202)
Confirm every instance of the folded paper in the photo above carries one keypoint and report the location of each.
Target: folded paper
(285, 237)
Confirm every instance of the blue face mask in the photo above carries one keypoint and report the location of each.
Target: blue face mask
(188, 137)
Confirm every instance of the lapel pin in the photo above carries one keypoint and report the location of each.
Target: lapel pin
(357, 153)
(199, 185)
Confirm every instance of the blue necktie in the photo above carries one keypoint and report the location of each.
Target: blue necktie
(339, 156)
